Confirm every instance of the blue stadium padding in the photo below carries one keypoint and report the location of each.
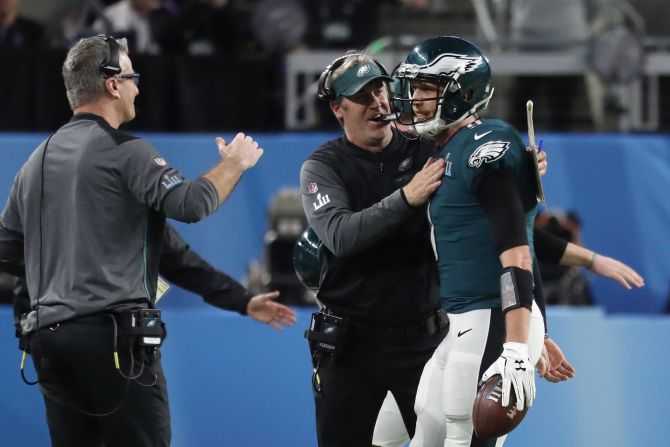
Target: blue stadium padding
(617, 183)
(235, 382)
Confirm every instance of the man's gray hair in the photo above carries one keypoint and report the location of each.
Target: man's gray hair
(84, 82)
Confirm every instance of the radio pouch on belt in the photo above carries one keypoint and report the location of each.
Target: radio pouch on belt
(146, 324)
(327, 335)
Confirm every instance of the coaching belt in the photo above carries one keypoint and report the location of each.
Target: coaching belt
(398, 334)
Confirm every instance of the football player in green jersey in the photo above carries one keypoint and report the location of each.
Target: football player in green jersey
(480, 218)
(482, 228)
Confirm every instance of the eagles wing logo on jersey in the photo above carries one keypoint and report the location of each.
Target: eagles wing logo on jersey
(488, 152)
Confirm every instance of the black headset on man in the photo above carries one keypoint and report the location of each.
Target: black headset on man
(325, 92)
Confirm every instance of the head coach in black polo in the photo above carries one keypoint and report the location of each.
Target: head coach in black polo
(365, 196)
(85, 218)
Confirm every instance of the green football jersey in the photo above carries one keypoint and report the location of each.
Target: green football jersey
(467, 258)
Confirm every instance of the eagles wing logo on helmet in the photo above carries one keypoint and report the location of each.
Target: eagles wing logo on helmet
(488, 152)
(447, 63)
(451, 63)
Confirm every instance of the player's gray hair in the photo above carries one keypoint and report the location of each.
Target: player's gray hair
(84, 82)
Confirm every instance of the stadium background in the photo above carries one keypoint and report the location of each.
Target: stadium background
(234, 382)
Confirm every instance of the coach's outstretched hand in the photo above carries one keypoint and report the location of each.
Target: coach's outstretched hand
(616, 270)
(263, 308)
(553, 366)
(243, 149)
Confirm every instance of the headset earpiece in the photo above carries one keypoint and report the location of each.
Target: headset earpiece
(111, 65)
(325, 93)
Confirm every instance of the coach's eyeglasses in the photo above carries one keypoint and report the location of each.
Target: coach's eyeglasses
(134, 76)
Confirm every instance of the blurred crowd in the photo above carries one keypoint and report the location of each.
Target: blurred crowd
(150, 26)
(198, 26)
(202, 26)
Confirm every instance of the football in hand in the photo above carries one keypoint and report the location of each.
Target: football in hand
(490, 418)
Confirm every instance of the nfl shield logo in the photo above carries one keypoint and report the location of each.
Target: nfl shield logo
(312, 188)
(160, 161)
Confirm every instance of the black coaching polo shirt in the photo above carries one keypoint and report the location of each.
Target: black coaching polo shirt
(378, 265)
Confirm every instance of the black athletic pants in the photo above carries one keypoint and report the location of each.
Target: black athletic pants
(354, 387)
(75, 366)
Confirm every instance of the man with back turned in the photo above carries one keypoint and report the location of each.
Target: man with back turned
(84, 222)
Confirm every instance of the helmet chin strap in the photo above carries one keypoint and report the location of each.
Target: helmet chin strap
(431, 128)
(434, 127)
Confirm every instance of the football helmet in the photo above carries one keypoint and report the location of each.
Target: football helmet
(306, 260)
(461, 74)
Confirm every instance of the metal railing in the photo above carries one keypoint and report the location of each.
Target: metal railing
(641, 95)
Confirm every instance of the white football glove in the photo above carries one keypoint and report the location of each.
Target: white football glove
(515, 368)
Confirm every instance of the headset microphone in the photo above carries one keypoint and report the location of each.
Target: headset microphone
(389, 117)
